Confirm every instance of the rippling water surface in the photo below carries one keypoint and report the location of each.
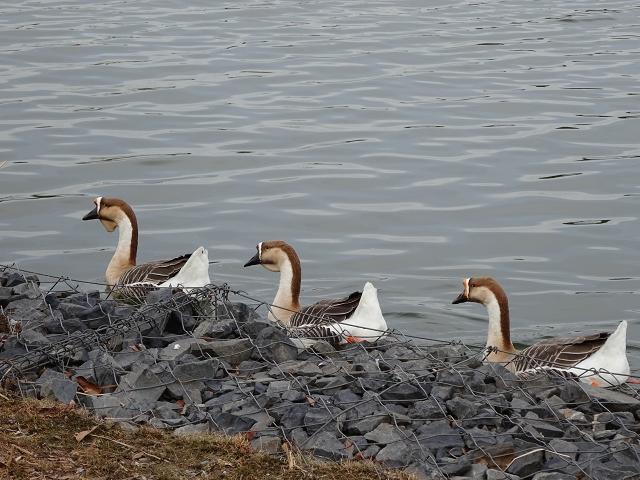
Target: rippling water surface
(403, 142)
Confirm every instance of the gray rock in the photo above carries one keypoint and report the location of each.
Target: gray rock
(55, 384)
(553, 476)
(326, 445)
(277, 388)
(546, 429)
(33, 338)
(232, 424)
(27, 290)
(194, 429)
(394, 455)
(253, 328)
(294, 415)
(439, 434)
(322, 347)
(141, 386)
(346, 398)
(481, 438)
(498, 475)
(268, 443)
(275, 346)
(442, 392)
(365, 425)
(233, 351)
(196, 371)
(71, 310)
(427, 410)
(384, 434)
(403, 392)
(329, 418)
(215, 329)
(293, 396)
(55, 323)
(564, 448)
(526, 464)
(462, 408)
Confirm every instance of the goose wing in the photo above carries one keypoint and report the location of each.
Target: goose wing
(559, 353)
(154, 273)
(326, 312)
(138, 281)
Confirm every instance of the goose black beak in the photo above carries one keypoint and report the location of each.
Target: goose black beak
(460, 299)
(255, 260)
(92, 215)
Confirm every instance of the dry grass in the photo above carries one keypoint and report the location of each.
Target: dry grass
(39, 439)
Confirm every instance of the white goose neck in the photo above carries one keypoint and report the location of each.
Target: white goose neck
(286, 296)
(495, 337)
(124, 256)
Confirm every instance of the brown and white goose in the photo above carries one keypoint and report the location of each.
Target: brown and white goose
(579, 357)
(356, 317)
(131, 281)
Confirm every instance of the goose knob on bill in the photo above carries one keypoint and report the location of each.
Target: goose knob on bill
(575, 357)
(131, 281)
(354, 318)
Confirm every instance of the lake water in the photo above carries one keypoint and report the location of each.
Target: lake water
(410, 143)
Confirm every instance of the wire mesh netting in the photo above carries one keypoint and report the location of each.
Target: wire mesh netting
(210, 361)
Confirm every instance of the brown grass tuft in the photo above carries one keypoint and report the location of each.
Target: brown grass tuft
(41, 439)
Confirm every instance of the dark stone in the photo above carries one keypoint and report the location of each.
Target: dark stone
(403, 392)
(442, 392)
(27, 290)
(33, 338)
(231, 424)
(243, 313)
(141, 385)
(546, 429)
(233, 351)
(462, 408)
(56, 323)
(294, 416)
(252, 329)
(553, 476)
(479, 438)
(71, 310)
(439, 434)
(427, 410)
(215, 329)
(572, 392)
(365, 425)
(293, 396)
(275, 346)
(346, 398)
(329, 418)
(196, 371)
(526, 464)
(55, 384)
(14, 278)
(384, 434)
(326, 445)
(394, 455)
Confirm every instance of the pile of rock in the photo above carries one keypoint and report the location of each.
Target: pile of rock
(434, 410)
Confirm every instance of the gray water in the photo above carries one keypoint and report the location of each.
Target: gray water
(407, 143)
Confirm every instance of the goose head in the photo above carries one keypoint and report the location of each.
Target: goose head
(111, 212)
(273, 255)
(484, 290)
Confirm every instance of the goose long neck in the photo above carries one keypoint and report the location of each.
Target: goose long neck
(499, 327)
(288, 295)
(125, 255)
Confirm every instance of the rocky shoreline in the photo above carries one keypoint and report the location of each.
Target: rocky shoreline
(211, 364)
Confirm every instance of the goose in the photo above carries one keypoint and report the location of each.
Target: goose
(131, 281)
(354, 318)
(574, 357)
